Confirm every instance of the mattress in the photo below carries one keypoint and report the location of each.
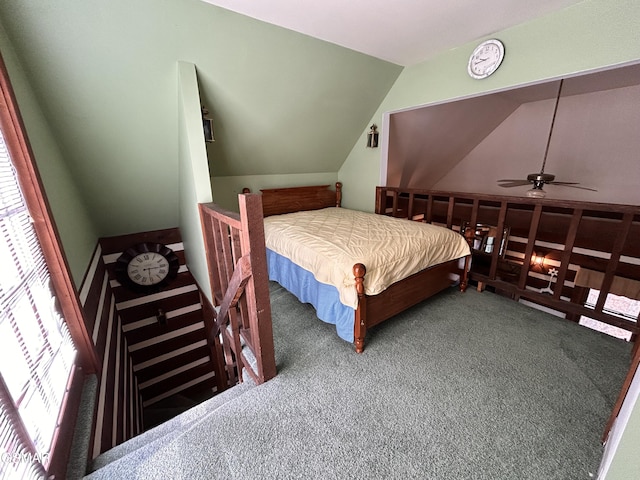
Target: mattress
(328, 242)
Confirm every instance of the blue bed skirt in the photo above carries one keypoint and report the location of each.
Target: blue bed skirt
(324, 298)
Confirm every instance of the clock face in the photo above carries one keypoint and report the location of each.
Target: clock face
(485, 59)
(148, 268)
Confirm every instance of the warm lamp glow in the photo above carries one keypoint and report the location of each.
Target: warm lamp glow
(537, 261)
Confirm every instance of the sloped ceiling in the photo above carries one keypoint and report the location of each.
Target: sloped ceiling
(468, 145)
(425, 144)
(105, 76)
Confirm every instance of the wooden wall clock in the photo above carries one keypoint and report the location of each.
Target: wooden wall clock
(147, 267)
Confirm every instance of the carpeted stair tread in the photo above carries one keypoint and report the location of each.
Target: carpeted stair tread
(172, 427)
(164, 457)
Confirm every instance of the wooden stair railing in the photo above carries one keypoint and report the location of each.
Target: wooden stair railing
(237, 264)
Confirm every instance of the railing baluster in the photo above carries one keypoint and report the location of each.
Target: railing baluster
(236, 258)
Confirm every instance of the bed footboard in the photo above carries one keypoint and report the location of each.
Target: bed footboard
(403, 294)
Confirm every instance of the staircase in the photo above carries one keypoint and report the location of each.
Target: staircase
(166, 409)
(183, 414)
(242, 321)
(152, 447)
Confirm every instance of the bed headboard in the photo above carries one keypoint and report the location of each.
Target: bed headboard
(276, 201)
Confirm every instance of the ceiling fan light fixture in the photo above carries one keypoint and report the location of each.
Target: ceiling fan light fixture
(538, 180)
(536, 192)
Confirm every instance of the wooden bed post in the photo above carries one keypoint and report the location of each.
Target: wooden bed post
(338, 194)
(381, 200)
(464, 278)
(360, 326)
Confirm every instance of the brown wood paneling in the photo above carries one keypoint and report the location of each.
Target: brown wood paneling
(90, 305)
(105, 318)
(147, 354)
(174, 382)
(118, 396)
(121, 393)
(123, 294)
(120, 243)
(150, 309)
(107, 385)
(173, 324)
(298, 198)
(158, 369)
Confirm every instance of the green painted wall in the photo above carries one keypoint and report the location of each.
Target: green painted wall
(589, 35)
(74, 223)
(195, 187)
(104, 76)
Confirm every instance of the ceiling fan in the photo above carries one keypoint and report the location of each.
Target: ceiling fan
(539, 180)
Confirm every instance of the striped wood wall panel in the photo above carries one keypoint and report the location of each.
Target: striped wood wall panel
(118, 410)
(143, 362)
(167, 358)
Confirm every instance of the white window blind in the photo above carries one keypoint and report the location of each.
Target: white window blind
(36, 349)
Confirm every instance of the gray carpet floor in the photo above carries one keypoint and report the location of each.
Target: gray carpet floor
(463, 386)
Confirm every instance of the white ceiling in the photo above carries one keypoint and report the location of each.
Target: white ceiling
(404, 32)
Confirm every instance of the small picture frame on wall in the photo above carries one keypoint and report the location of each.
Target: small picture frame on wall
(207, 125)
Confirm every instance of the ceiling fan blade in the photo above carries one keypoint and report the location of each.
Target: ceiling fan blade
(571, 185)
(513, 183)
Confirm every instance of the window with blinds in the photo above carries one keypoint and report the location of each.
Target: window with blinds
(36, 350)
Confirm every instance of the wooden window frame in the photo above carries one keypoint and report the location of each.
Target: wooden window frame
(87, 361)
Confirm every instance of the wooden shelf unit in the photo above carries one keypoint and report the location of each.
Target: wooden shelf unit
(570, 235)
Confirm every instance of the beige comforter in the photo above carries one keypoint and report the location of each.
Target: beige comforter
(330, 241)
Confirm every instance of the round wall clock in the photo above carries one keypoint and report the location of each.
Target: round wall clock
(147, 267)
(485, 59)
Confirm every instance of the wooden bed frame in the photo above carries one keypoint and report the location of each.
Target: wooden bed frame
(372, 309)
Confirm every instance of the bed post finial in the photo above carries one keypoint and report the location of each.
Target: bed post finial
(246, 190)
(360, 327)
(469, 235)
(338, 194)
(464, 277)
